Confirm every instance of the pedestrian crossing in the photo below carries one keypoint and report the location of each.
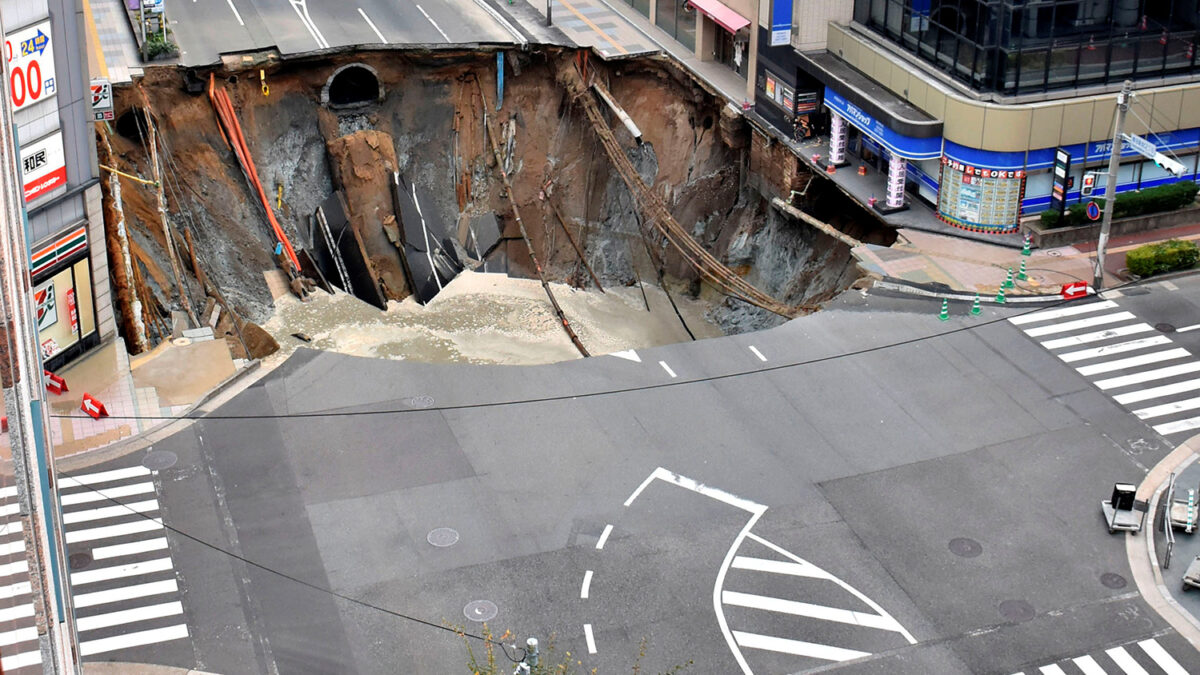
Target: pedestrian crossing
(122, 576)
(1145, 657)
(787, 614)
(1124, 357)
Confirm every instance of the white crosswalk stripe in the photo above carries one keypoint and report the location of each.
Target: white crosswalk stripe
(123, 579)
(20, 650)
(1123, 360)
(1148, 657)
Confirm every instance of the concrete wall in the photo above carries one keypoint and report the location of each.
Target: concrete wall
(1019, 127)
(810, 21)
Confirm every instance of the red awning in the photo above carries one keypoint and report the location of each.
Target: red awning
(724, 16)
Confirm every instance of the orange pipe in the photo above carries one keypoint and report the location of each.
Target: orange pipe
(231, 131)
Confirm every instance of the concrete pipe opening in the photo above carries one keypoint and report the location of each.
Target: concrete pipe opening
(132, 124)
(352, 86)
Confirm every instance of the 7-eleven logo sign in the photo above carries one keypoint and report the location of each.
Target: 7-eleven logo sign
(43, 299)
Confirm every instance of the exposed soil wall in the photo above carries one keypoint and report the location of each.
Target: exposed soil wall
(432, 107)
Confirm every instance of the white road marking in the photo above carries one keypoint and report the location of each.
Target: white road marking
(591, 641)
(12, 637)
(1120, 331)
(1052, 669)
(19, 612)
(603, 536)
(10, 510)
(110, 493)
(236, 15)
(105, 476)
(845, 586)
(696, 486)
(132, 548)
(1164, 660)
(120, 571)
(372, 25)
(1134, 361)
(145, 637)
(587, 584)
(667, 368)
(20, 660)
(800, 569)
(86, 623)
(6, 492)
(1148, 376)
(1157, 392)
(126, 593)
(1125, 661)
(1079, 324)
(520, 39)
(13, 590)
(444, 36)
(1048, 314)
(18, 567)
(1089, 666)
(1177, 427)
(811, 611)
(1120, 347)
(796, 647)
(302, 11)
(757, 353)
(1188, 328)
(1168, 285)
(1168, 408)
(14, 546)
(628, 355)
(114, 530)
(103, 512)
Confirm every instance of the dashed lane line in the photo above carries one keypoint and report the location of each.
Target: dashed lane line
(372, 25)
(587, 584)
(758, 353)
(591, 641)
(604, 536)
(667, 368)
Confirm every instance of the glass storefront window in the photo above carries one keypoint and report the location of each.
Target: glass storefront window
(642, 6)
(64, 311)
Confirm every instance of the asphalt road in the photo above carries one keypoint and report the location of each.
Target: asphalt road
(205, 29)
(864, 490)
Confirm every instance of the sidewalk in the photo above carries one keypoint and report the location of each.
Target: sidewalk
(112, 50)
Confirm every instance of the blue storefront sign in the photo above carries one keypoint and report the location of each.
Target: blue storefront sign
(781, 22)
(1098, 151)
(896, 143)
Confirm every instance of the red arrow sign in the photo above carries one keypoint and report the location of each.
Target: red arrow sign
(93, 407)
(1076, 289)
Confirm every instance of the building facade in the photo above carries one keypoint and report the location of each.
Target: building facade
(965, 105)
(50, 95)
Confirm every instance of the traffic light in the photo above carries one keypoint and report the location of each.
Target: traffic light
(1089, 184)
(1173, 167)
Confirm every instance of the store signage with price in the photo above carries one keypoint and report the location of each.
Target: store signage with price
(30, 56)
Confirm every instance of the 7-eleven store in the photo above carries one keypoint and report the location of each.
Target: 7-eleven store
(63, 296)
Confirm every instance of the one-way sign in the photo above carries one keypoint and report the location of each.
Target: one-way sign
(1140, 145)
(1073, 290)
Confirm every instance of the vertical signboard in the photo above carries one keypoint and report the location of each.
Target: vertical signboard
(1061, 177)
(781, 22)
(102, 102)
(30, 58)
(43, 166)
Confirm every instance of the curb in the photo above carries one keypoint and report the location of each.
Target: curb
(163, 429)
(1143, 561)
(929, 291)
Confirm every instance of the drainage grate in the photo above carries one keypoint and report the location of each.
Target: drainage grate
(422, 401)
(1164, 327)
(965, 548)
(78, 561)
(480, 610)
(442, 537)
(1016, 610)
(1113, 580)
(158, 460)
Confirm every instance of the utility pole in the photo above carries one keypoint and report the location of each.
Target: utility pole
(161, 200)
(33, 462)
(1110, 188)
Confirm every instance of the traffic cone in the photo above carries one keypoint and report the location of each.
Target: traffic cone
(1021, 276)
(1000, 296)
(976, 310)
(945, 315)
(1025, 250)
(1008, 281)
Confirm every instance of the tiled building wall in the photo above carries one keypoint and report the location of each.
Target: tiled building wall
(810, 21)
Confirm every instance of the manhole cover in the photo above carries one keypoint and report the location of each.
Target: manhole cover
(78, 561)
(1164, 327)
(1016, 610)
(480, 610)
(443, 537)
(965, 548)
(422, 401)
(157, 460)
(1112, 580)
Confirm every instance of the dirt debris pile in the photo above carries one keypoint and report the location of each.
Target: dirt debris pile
(413, 123)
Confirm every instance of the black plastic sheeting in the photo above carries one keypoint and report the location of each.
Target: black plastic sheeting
(430, 260)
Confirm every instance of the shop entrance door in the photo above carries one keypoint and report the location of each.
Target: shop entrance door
(730, 50)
